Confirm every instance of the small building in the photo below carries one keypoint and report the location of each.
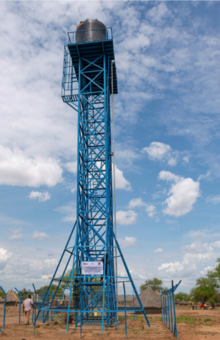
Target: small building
(12, 299)
(129, 300)
(151, 301)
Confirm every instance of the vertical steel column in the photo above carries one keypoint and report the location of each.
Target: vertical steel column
(125, 310)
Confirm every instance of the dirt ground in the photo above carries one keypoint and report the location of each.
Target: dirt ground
(191, 325)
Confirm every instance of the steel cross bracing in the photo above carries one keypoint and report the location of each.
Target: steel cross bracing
(86, 87)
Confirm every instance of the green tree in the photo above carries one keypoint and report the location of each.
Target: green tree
(53, 289)
(182, 296)
(154, 284)
(205, 290)
(24, 293)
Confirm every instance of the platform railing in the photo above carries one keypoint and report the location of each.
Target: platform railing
(72, 35)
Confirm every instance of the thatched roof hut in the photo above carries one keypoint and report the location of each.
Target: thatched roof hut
(128, 298)
(183, 302)
(177, 301)
(149, 299)
(12, 297)
(1, 300)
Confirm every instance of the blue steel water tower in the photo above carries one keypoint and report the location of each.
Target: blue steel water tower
(89, 81)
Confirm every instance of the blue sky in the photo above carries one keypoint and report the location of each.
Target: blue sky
(167, 137)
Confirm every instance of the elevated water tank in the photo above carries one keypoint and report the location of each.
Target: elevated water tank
(90, 30)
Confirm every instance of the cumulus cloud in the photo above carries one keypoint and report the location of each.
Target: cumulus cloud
(41, 236)
(126, 217)
(205, 270)
(16, 168)
(137, 202)
(41, 196)
(4, 255)
(159, 250)
(196, 246)
(182, 195)
(161, 152)
(120, 180)
(195, 254)
(151, 210)
(16, 235)
(128, 242)
(71, 167)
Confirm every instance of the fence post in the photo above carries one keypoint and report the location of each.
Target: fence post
(4, 306)
(32, 308)
(174, 311)
(19, 307)
(171, 310)
(133, 306)
(35, 300)
(161, 304)
(125, 309)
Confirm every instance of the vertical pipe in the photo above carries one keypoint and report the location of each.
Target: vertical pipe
(114, 184)
(107, 190)
(125, 310)
(161, 304)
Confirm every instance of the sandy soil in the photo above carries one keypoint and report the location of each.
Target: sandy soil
(191, 325)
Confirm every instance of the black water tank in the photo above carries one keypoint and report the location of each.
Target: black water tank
(90, 30)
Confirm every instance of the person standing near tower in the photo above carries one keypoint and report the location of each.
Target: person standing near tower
(27, 305)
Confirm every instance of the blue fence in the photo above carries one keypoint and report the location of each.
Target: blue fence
(168, 308)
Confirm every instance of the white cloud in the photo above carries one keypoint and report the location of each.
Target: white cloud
(168, 176)
(128, 242)
(215, 244)
(172, 161)
(69, 210)
(73, 189)
(183, 194)
(162, 152)
(196, 246)
(186, 159)
(194, 255)
(120, 180)
(137, 202)
(170, 221)
(41, 196)
(205, 270)
(4, 255)
(159, 250)
(204, 176)
(18, 169)
(151, 210)
(41, 236)
(71, 167)
(214, 200)
(15, 237)
(126, 217)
